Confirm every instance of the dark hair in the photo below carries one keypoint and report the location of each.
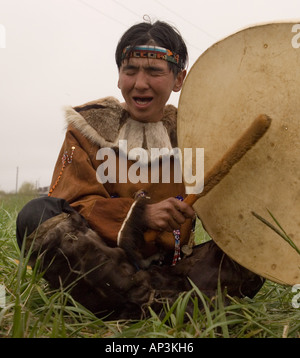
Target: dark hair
(161, 34)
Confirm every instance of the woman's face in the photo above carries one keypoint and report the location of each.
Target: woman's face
(146, 85)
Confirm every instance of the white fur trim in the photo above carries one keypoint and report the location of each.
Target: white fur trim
(137, 134)
(124, 222)
(79, 122)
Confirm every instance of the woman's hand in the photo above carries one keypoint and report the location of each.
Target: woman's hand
(168, 215)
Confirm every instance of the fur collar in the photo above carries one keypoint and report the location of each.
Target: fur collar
(104, 122)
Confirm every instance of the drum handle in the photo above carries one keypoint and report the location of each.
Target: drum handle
(248, 139)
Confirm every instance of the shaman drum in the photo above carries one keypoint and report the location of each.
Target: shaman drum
(252, 72)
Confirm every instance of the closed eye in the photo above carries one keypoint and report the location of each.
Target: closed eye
(155, 71)
(130, 70)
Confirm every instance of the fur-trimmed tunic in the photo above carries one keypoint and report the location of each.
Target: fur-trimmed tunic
(109, 207)
(81, 255)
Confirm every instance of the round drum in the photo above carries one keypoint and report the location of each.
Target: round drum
(255, 71)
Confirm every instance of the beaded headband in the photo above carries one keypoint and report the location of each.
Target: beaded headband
(154, 52)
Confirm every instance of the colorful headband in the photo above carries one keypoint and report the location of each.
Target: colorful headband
(154, 52)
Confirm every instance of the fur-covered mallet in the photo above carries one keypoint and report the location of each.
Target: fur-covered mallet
(256, 130)
(249, 138)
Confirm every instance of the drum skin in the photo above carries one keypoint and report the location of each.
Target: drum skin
(252, 72)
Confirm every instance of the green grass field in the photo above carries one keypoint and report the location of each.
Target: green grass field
(31, 309)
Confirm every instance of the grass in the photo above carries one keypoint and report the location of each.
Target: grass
(32, 309)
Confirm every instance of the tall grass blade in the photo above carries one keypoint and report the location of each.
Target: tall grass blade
(281, 233)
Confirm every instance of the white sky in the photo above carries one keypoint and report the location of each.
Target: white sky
(61, 52)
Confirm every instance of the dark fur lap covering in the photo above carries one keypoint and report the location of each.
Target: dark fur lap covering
(102, 279)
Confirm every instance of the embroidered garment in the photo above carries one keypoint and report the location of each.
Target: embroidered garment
(99, 124)
(153, 52)
(79, 251)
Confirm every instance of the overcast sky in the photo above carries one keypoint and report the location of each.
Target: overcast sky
(61, 52)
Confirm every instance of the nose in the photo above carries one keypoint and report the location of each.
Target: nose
(141, 81)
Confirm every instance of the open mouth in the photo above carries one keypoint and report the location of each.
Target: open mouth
(142, 101)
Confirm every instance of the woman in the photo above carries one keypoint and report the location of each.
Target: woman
(90, 234)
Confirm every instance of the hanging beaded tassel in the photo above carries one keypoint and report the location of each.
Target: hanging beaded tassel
(176, 234)
(176, 256)
(66, 159)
